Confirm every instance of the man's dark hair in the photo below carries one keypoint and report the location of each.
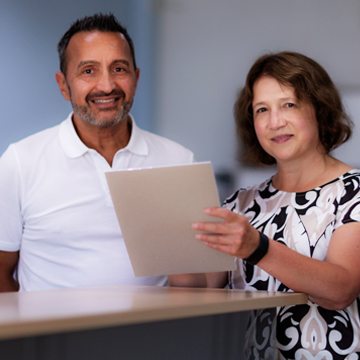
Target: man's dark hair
(96, 22)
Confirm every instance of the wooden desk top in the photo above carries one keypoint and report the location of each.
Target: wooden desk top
(47, 312)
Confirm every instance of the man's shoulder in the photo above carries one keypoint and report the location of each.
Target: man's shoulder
(34, 145)
(26, 152)
(38, 139)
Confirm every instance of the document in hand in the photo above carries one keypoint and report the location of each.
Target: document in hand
(155, 208)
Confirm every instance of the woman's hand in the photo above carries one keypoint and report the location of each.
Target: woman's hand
(234, 236)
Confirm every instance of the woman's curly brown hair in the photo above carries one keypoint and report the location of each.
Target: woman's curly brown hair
(310, 82)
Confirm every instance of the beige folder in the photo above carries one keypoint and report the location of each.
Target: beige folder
(155, 208)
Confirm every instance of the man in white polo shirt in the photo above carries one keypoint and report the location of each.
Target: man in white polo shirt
(58, 227)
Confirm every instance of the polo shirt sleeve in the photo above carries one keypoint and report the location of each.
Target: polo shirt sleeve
(11, 223)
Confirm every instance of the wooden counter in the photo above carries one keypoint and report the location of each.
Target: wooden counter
(57, 311)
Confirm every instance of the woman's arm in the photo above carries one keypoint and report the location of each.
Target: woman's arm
(332, 284)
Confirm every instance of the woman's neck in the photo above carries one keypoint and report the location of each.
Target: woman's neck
(300, 177)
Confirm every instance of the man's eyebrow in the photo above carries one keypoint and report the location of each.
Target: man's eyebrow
(94, 62)
(121, 61)
(87, 62)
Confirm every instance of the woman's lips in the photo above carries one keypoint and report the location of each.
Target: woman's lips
(282, 138)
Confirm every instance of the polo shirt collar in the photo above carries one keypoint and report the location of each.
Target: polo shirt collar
(74, 147)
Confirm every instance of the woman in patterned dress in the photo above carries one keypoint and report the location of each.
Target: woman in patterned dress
(299, 230)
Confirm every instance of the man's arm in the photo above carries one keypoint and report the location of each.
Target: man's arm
(8, 262)
(209, 280)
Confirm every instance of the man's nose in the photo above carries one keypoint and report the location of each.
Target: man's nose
(106, 82)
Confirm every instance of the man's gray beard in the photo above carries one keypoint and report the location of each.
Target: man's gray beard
(84, 113)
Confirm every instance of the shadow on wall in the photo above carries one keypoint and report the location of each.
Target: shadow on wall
(225, 181)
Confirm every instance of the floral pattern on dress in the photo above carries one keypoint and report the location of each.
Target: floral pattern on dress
(304, 222)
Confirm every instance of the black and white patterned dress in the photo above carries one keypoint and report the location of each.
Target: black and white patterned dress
(304, 222)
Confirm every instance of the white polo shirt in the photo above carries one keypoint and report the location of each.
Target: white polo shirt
(56, 207)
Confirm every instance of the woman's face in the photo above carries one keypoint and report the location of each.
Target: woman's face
(286, 128)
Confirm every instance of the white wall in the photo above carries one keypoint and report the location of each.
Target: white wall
(207, 46)
(349, 152)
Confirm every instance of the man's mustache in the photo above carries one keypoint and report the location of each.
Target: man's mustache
(117, 93)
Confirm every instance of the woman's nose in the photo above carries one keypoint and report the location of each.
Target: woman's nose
(277, 120)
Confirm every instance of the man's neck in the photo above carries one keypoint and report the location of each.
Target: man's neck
(105, 140)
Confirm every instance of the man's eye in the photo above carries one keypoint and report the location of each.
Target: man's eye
(88, 71)
(119, 69)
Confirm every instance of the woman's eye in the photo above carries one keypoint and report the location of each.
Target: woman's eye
(261, 110)
(290, 104)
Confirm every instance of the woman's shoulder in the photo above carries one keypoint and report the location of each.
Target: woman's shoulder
(350, 177)
(350, 182)
(353, 173)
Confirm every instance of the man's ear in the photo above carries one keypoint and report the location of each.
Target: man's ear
(137, 75)
(63, 86)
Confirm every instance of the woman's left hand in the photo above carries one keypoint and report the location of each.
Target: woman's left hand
(234, 236)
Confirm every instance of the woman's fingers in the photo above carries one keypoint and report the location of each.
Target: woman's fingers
(225, 214)
(234, 236)
(228, 244)
(214, 238)
(216, 228)
(233, 224)
(228, 216)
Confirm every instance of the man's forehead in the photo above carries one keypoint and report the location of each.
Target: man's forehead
(91, 37)
(97, 43)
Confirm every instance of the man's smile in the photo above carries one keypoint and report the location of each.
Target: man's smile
(105, 98)
(104, 101)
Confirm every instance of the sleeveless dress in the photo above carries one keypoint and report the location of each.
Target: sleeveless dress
(304, 222)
